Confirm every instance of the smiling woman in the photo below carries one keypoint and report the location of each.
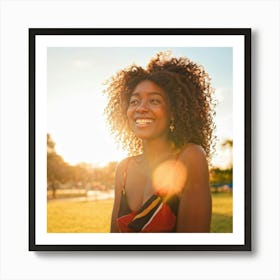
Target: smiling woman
(163, 116)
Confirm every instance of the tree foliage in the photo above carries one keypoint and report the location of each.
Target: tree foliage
(57, 168)
(220, 176)
(228, 143)
(223, 176)
(82, 175)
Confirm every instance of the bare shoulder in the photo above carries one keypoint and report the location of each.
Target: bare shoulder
(122, 167)
(193, 154)
(122, 164)
(119, 176)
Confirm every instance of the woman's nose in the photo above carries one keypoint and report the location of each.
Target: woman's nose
(142, 107)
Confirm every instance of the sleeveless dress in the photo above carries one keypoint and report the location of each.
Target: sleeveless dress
(158, 213)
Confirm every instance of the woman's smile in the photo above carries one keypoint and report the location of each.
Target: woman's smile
(143, 122)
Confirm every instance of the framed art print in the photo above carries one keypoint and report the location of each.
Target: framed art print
(73, 154)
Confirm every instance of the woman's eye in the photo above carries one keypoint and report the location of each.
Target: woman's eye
(133, 102)
(155, 101)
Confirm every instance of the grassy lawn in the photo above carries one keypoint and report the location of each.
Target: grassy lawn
(79, 216)
(94, 216)
(221, 212)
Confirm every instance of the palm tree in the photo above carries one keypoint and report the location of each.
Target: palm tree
(228, 145)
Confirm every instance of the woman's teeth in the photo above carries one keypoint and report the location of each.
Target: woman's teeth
(143, 121)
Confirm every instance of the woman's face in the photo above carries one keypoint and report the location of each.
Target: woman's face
(148, 111)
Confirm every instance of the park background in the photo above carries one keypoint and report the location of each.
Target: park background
(81, 153)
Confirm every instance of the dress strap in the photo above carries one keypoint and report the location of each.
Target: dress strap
(124, 176)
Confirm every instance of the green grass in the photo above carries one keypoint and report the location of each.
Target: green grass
(221, 212)
(79, 216)
(94, 216)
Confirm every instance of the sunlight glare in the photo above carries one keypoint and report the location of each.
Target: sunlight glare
(170, 177)
(81, 133)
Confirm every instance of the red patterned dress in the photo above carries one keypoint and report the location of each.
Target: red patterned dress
(158, 214)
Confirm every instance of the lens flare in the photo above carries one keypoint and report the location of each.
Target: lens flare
(170, 177)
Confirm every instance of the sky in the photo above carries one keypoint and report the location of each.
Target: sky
(75, 99)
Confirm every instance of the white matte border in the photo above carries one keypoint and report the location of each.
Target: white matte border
(236, 42)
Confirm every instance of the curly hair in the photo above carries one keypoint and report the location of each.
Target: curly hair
(188, 89)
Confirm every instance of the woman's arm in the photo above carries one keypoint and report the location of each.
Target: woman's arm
(195, 208)
(118, 189)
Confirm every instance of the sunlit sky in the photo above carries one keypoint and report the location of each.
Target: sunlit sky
(75, 79)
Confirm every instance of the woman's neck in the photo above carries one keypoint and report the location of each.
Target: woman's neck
(156, 151)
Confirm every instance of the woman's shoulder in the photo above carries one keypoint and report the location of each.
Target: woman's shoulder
(193, 154)
(123, 164)
(194, 158)
(120, 172)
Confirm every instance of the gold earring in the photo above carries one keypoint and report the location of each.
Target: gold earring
(172, 126)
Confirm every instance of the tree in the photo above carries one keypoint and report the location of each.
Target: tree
(223, 176)
(57, 168)
(50, 144)
(228, 143)
(82, 175)
(227, 146)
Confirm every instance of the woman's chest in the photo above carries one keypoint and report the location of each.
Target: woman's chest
(139, 188)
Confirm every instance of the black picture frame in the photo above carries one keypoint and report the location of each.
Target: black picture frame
(34, 33)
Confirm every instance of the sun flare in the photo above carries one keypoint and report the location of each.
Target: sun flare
(170, 177)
